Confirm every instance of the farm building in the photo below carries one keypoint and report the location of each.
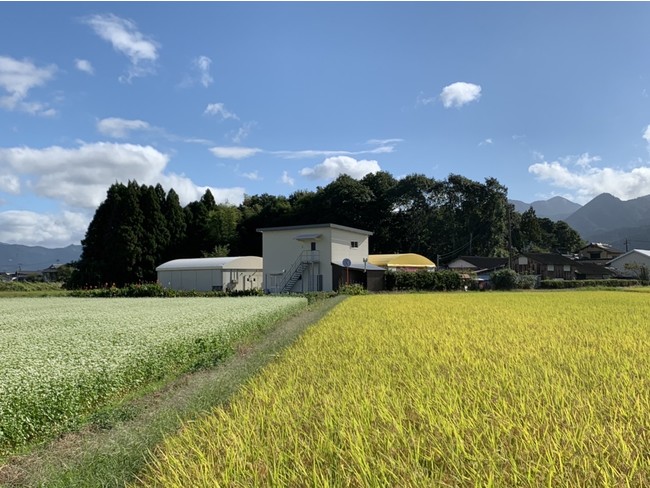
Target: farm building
(631, 263)
(482, 266)
(550, 266)
(402, 262)
(320, 257)
(212, 274)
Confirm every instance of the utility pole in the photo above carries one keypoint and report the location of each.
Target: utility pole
(626, 244)
(470, 243)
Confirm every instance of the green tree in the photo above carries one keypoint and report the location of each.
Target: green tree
(176, 226)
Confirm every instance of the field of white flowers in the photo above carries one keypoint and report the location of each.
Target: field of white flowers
(62, 358)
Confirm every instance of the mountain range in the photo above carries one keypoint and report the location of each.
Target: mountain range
(607, 219)
(16, 257)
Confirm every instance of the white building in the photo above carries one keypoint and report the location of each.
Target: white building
(630, 263)
(212, 274)
(319, 257)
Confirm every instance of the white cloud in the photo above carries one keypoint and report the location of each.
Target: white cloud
(588, 181)
(314, 153)
(253, 176)
(486, 142)
(333, 167)
(243, 132)
(9, 183)
(459, 93)
(202, 64)
(234, 152)
(85, 66)
(120, 128)
(220, 110)
(125, 38)
(17, 78)
(286, 179)
(79, 177)
(585, 160)
(646, 134)
(50, 230)
(383, 142)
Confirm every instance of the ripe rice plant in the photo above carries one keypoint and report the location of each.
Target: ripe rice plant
(497, 389)
(61, 358)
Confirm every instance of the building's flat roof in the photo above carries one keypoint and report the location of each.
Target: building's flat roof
(315, 226)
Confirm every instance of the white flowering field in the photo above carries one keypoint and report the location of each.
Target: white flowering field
(62, 358)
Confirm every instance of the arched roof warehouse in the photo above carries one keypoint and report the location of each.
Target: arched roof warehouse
(401, 261)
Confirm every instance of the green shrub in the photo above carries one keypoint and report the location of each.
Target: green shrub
(352, 289)
(504, 279)
(422, 280)
(526, 282)
(613, 283)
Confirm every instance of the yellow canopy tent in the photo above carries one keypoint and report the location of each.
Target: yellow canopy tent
(401, 261)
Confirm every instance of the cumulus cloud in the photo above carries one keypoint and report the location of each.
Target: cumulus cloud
(124, 36)
(17, 78)
(120, 128)
(333, 167)
(646, 134)
(219, 110)
(286, 179)
(80, 176)
(578, 175)
(85, 66)
(34, 229)
(234, 152)
(459, 93)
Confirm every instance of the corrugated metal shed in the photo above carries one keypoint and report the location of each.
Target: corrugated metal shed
(212, 274)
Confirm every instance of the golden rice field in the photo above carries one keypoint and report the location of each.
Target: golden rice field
(466, 389)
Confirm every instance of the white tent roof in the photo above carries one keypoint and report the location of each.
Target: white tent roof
(237, 262)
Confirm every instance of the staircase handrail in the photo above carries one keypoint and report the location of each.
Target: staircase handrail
(303, 257)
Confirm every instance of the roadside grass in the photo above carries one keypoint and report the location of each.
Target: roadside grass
(14, 289)
(112, 448)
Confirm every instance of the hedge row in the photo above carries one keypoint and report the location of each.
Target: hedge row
(560, 284)
(422, 280)
(156, 290)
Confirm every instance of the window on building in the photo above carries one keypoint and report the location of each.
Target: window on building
(551, 267)
(313, 246)
(354, 244)
(567, 267)
(594, 255)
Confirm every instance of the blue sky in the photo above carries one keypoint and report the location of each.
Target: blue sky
(249, 98)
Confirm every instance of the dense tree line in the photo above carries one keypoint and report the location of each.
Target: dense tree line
(137, 227)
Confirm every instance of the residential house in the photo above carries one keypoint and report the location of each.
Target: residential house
(480, 265)
(548, 266)
(551, 266)
(319, 257)
(598, 252)
(51, 273)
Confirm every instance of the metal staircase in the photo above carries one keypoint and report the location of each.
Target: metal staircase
(291, 277)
